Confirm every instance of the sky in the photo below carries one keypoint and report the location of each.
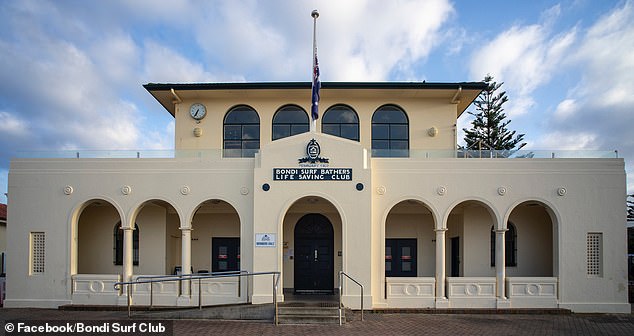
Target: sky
(71, 71)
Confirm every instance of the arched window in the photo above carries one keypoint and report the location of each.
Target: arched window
(118, 245)
(341, 121)
(510, 246)
(241, 132)
(289, 120)
(390, 132)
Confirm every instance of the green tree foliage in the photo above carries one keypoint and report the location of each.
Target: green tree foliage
(489, 128)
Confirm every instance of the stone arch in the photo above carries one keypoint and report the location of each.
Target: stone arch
(91, 234)
(216, 236)
(537, 223)
(293, 211)
(157, 219)
(409, 234)
(468, 223)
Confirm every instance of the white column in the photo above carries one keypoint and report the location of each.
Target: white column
(500, 263)
(440, 263)
(186, 257)
(127, 253)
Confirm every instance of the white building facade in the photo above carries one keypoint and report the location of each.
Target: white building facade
(379, 192)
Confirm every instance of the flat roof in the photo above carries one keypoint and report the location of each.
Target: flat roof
(466, 91)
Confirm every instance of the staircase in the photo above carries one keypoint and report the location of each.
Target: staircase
(309, 313)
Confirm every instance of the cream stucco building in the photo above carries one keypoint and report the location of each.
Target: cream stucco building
(379, 192)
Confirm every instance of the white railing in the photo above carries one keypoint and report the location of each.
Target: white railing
(199, 278)
(376, 153)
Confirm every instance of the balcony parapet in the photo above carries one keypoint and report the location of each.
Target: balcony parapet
(376, 153)
(494, 154)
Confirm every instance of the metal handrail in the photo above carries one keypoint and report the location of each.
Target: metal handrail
(180, 277)
(199, 277)
(341, 274)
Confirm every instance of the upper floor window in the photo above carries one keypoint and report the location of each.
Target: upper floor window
(341, 121)
(241, 132)
(390, 132)
(289, 120)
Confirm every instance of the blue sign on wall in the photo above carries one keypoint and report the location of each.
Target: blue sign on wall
(312, 174)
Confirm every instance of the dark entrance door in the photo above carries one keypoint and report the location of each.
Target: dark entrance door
(455, 256)
(314, 257)
(400, 257)
(225, 254)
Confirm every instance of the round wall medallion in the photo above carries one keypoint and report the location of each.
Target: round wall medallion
(561, 191)
(381, 190)
(96, 286)
(266, 187)
(442, 190)
(502, 191)
(472, 289)
(126, 190)
(68, 190)
(532, 289)
(359, 186)
(244, 191)
(410, 290)
(185, 190)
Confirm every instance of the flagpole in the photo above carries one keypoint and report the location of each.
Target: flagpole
(315, 15)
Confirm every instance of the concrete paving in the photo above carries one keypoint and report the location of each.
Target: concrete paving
(374, 324)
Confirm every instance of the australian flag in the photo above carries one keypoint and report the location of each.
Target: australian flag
(314, 110)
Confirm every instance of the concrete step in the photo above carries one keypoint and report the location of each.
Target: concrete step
(325, 311)
(308, 315)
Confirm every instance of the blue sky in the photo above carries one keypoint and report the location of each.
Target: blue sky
(72, 70)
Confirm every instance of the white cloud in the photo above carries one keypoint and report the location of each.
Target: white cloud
(600, 103)
(162, 64)
(357, 40)
(524, 58)
(567, 141)
(566, 109)
(118, 57)
(11, 125)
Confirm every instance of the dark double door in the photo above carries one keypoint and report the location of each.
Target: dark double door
(314, 255)
(225, 254)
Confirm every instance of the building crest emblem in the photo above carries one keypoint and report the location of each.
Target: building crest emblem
(313, 150)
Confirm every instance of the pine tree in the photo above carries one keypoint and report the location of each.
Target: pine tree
(488, 129)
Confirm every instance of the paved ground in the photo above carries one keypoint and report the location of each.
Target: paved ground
(375, 324)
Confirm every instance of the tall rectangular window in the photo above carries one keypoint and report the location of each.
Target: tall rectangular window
(37, 252)
(594, 242)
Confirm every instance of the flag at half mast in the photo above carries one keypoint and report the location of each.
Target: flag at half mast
(314, 108)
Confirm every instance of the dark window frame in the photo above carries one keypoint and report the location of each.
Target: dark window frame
(338, 126)
(290, 124)
(391, 139)
(395, 258)
(118, 245)
(510, 246)
(246, 148)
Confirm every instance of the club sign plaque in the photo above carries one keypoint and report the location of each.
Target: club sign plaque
(313, 167)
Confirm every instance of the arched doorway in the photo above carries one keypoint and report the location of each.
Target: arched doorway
(410, 249)
(94, 239)
(535, 237)
(215, 237)
(314, 254)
